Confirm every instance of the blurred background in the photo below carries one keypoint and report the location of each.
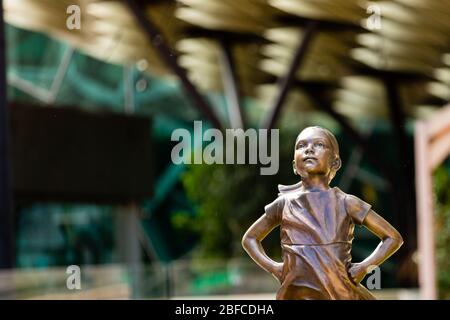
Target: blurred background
(91, 92)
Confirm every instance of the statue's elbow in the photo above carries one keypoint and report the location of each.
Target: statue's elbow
(246, 241)
(398, 239)
(400, 242)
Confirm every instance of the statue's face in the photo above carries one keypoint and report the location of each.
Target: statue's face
(313, 153)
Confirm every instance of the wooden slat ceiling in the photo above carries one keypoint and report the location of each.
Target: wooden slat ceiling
(108, 30)
(202, 58)
(272, 51)
(347, 11)
(328, 57)
(413, 39)
(325, 58)
(410, 39)
(440, 87)
(252, 16)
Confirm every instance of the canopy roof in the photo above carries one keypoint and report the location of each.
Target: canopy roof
(412, 39)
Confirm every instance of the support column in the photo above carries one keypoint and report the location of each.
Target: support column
(425, 215)
(6, 212)
(128, 245)
(404, 192)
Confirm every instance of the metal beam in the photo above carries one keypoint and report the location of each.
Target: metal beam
(231, 85)
(169, 57)
(6, 212)
(286, 81)
(405, 178)
(397, 118)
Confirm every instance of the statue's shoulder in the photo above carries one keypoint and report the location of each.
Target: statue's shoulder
(339, 192)
(288, 189)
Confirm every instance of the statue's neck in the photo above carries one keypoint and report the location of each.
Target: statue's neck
(315, 183)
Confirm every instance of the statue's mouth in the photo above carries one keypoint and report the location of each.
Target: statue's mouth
(309, 158)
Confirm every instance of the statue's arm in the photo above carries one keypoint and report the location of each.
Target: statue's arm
(251, 242)
(391, 241)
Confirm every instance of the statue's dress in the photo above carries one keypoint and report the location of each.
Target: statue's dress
(316, 239)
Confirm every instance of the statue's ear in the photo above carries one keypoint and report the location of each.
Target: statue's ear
(337, 163)
(293, 167)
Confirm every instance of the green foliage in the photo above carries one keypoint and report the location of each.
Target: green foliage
(442, 192)
(229, 198)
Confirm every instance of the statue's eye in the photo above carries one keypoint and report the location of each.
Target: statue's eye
(319, 144)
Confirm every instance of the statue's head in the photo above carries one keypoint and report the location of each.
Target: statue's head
(316, 153)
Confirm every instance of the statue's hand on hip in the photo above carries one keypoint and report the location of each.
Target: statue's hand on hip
(357, 272)
(277, 271)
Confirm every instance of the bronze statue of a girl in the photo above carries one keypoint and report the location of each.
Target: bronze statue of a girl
(316, 225)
